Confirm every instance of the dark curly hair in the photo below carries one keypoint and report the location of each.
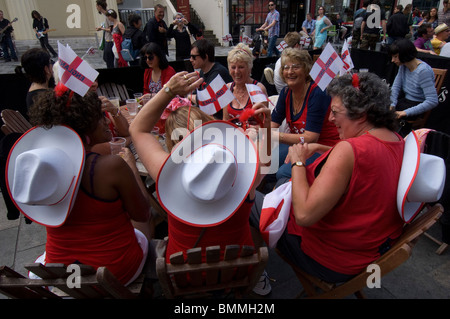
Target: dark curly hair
(371, 99)
(82, 113)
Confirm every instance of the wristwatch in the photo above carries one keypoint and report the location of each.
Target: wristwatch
(299, 164)
(169, 92)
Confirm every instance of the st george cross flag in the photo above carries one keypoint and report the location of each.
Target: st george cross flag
(326, 67)
(73, 72)
(256, 94)
(275, 213)
(346, 58)
(227, 38)
(215, 97)
(283, 45)
(246, 40)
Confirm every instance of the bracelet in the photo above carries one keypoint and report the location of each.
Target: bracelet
(118, 113)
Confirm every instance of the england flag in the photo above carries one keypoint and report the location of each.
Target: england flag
(327, 66)
(75, 73)
(215, 97)
(256, 94)
(346, 59)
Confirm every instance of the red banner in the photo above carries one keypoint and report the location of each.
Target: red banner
(184, 8)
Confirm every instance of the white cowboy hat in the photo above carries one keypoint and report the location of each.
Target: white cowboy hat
(422, 179)
(43, 173)
(208, 174)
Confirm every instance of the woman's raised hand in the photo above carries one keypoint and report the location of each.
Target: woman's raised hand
(184, 83)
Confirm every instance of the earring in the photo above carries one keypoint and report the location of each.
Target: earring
(88, 140)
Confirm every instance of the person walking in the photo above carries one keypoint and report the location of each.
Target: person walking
(133, 32)
(370, 35)
(397, 25)
(108, 55)
(156, 29)
(40, 26)
(272, 25)
(357, 21)
(322, 25)
(6, 40)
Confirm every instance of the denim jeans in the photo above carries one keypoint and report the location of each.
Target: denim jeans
(8, 44)
(272, 47)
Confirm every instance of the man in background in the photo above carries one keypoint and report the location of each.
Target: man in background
(308, 27)
(423, 42)
(6, 41)
(156, 29)
(397, 25)
(203, 59)
(272, 25)
(357, 21)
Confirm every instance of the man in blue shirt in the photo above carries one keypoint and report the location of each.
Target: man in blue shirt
(308, 26)
(272, 25)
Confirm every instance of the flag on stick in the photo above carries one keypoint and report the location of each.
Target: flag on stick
(256, 94)
(215, 97)
(346, 59)
(326, 67)
(283, 45)
(227, 38)
(73, 72)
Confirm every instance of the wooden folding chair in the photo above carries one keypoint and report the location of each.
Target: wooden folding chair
(99, 283)
(240, 270)
(14, 121)
(113, 89)
(394, 257)
(439, 77)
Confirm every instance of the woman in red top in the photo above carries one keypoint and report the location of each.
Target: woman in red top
(344, 212)
(112, 200)
(240, 64)
(184, 235)
(157, 69)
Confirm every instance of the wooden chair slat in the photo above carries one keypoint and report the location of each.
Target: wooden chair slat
(393, 258)
(99, 283)
(212, 256)
(194, 267)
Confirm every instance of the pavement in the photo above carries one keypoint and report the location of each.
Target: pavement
(425, 275)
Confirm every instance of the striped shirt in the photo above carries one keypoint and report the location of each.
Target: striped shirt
(418, 86)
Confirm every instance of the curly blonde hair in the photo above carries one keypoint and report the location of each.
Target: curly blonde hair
(296, 56)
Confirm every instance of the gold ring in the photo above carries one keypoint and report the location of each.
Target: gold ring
(185, 77)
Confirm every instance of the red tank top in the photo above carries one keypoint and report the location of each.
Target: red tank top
(349, 237)
(235, 113)
(96, 233)
(234, 231)
(328, 135)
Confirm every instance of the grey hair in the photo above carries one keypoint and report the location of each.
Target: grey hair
(178, 14)
(371, 99)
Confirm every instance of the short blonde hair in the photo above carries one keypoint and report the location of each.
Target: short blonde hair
(297, 56)
(178, 119)
(292, 39)
(241, 52)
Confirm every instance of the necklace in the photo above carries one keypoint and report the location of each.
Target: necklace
(239, 96)
(298, 102)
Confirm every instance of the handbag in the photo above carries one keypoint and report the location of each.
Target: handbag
(102, 42)
(191, 37)
(116, 53)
